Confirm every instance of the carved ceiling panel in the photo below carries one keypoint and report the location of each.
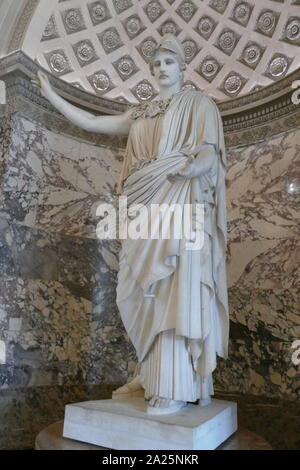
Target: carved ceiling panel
(232, 47)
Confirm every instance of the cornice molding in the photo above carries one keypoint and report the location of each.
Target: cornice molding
(21, 26)
(247, 119)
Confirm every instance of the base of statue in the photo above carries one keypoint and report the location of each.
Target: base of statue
(125, 424)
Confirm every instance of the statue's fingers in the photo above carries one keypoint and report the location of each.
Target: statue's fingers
(42, 76)
(186, 172)
(170, 178)
(174, 178)
(178, 177)
(36, 83)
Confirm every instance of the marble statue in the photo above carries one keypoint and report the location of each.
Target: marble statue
(173, 301)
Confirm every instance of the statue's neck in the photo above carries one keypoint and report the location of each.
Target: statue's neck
(167, 92)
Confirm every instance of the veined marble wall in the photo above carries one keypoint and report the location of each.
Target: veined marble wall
(58, 318)
(263, 184)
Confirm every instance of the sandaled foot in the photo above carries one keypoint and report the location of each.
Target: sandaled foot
(131, 390)
(159, 406)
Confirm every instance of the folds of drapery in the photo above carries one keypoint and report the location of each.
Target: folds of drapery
(167, 371)
(189, 285)
(182, 280)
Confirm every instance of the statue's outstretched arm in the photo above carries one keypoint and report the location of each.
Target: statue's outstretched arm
(113, 125)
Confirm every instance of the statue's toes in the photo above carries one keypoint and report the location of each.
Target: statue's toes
(158, 402)
(153, 402)
(165, 403)
(123, 389)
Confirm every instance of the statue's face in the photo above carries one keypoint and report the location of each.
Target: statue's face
(166, 69)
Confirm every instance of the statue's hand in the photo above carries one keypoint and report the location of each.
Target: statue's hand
(195, 166)
(188, 171)
(42, 83)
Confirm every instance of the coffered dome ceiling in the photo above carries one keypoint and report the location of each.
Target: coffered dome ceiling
(232, 47)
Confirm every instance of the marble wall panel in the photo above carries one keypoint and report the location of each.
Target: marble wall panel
(5, 138)
(54, 181)
(113, 349)
(267, 373)
(24, 412)
(73, 211)
(263, 184)
(264, 324)
(28, 252)
(67, 211)
(263, 196)
(28, 154)
(277, 420)
(34, 253)
(99, 169)
(82, 270)
(19, 206)
(45, 334)
(264, 264)
(273, 309)
(85, 264)
(54, 337)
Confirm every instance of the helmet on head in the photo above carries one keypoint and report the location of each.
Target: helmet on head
(170, 43)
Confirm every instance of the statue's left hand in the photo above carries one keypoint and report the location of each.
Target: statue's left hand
(188, 171)
(42, 83)
(195, 165)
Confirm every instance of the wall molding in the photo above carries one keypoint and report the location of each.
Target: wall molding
(22, 24)
(246, 120)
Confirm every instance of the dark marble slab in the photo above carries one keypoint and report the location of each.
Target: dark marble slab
(276, 420)
(24, 412)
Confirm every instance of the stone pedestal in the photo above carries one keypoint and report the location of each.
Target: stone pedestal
(51, 438)
(126, 425)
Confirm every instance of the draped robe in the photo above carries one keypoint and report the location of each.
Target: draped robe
(178, 332)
